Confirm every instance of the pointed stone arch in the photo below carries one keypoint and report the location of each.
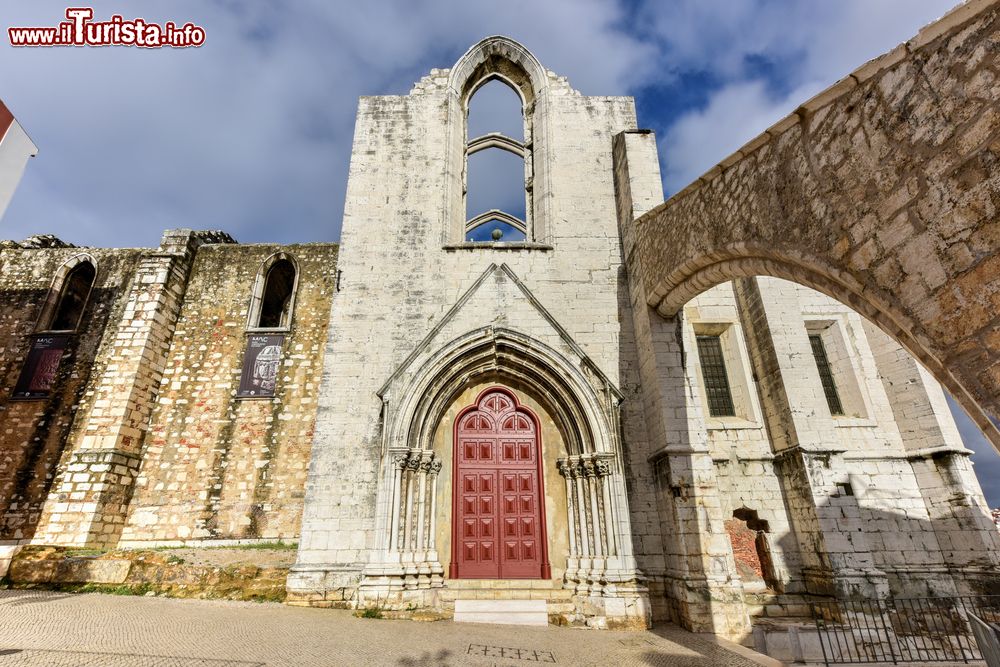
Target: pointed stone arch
(873, 193)
(502, 59)
(260, 287)
(586, 414)
(81, 262)
(498, 58)
(582, 403)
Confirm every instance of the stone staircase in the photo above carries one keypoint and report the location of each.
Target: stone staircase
(509, 597)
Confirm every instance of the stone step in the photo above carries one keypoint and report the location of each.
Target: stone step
(504, 589)
(504, 612)
(560, 595)
(521, 584)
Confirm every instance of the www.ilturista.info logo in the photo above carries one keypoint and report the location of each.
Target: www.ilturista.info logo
(80, 30)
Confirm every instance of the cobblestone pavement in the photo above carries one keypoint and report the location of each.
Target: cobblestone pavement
(57, 630)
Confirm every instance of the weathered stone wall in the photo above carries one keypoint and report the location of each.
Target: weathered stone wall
(412, 290)
(881, 192)
(87, 504)
(214, 465)
(34, 432)
(880, 491)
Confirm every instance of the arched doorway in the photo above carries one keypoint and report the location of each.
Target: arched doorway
(498, 527)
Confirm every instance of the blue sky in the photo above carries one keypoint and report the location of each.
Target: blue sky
(251, 133)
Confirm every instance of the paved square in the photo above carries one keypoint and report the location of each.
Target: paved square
(73, 630)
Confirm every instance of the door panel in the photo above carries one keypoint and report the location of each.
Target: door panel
(499, 529)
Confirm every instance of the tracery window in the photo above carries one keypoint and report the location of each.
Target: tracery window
(498, 166)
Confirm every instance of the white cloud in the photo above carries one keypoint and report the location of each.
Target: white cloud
(250, 133)
(734, 115)
(809, 44)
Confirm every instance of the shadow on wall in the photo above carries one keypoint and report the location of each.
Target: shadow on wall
(36, 430)
(869, 550)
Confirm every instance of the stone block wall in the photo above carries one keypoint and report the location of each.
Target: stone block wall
(34, 433)
(215, 466)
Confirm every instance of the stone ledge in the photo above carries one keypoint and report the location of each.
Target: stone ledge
(488, 245)
(143, 573)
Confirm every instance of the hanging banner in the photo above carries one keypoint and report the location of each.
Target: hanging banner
(39, 371)
(260, 365)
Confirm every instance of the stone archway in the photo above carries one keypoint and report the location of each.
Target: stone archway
(882, 192)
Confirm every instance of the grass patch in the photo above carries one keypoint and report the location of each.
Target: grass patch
(273, 596)
(78, 552)
(278, 545)
(373, 611)
(107, 589)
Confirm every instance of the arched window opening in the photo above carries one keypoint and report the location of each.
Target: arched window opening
(73, 297)
(495, 107)
(497, 171)
(276, 301)
(496, 185)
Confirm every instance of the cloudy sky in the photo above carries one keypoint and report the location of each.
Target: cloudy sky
(251, 133)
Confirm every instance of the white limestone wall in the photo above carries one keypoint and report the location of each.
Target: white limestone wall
(886, 501)
(399, 280)
(15, 149)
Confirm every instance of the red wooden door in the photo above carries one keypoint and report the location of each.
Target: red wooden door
(499, 525)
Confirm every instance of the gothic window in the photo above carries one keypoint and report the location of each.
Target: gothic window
(826, 375)
(716, 381)
(498, 165)
(274, 294)
(68, 296)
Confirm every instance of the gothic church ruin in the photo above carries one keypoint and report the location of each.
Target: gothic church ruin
(458, 404)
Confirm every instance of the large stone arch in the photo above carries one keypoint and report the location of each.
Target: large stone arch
(584, 406)
(586, 414)
(883, 192)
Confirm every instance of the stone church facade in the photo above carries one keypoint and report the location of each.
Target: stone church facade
(460, 404)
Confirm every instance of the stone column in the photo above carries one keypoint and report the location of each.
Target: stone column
(698, 575)
(89, 501)
(406, 558)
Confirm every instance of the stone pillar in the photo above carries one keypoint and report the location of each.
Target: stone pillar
(405, 557)
(837, 558)
(88, 503)
(599, 560)
(699, 579)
